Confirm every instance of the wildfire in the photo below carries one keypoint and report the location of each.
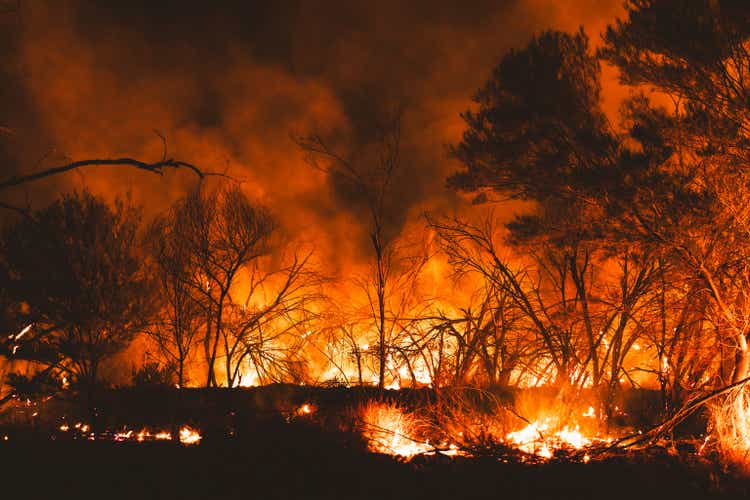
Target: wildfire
(538, 438)
(392, 431)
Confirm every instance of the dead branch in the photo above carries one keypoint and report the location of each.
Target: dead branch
(665, 427)
(156, 168)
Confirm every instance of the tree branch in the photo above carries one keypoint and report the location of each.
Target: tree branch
(156, 168)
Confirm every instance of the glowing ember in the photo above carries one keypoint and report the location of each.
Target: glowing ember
(189, 436)
(305, 409)
(123, 436)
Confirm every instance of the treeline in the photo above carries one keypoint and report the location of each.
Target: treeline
(630, 268)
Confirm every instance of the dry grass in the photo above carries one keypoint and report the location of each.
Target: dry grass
(390, 429)
(730, 426)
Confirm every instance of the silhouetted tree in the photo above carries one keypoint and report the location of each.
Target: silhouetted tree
(539, 135)
(76, 285)
(687, 190)
(222, 233)
(538, 132)
(268, 328)
(178, 325)
(370, 169)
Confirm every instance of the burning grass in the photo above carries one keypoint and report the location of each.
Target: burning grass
(186, 435)
(479, 424)
(526, 426)
(730, 425)
(389, 429)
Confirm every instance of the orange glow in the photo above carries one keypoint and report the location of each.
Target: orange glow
(390, 430)
(189, 436)
(305, 409)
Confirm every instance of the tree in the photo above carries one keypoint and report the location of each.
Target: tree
(270, 325)
(76, 285)
(672, 186)
(408, 313)
(689, 186)
(370, 169)
(158, 168)
(538, 130)
(181, 315)
(221, 233)
(539, 135)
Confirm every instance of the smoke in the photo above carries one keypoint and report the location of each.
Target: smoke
(226, 85)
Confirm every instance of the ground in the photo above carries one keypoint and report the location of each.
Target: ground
(275, 454)
(295, 462)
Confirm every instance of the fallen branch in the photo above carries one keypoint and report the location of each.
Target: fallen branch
(668, 425)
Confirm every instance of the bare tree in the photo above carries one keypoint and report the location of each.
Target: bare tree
(269, 327)
(372, 177)
(222, 232)
(181, 318)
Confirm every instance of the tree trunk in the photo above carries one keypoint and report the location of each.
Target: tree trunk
(181, 372)
(377, 244)
(741, 360)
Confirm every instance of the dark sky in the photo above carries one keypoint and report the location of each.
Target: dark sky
(226, 84)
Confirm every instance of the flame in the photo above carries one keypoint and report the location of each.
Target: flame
(390, 430)
(305, 409)
(189, 436)
(250, 379)
(730, 422)
(535, 440)
(123, 436)
(142, 435)
(573, 437)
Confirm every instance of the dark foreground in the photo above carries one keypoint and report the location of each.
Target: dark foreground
(256, 445)
(299, 462)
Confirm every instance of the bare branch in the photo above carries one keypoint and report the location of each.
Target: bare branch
(156, 168)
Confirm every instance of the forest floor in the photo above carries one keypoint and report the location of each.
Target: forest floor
(296, 463)
(281, 456)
